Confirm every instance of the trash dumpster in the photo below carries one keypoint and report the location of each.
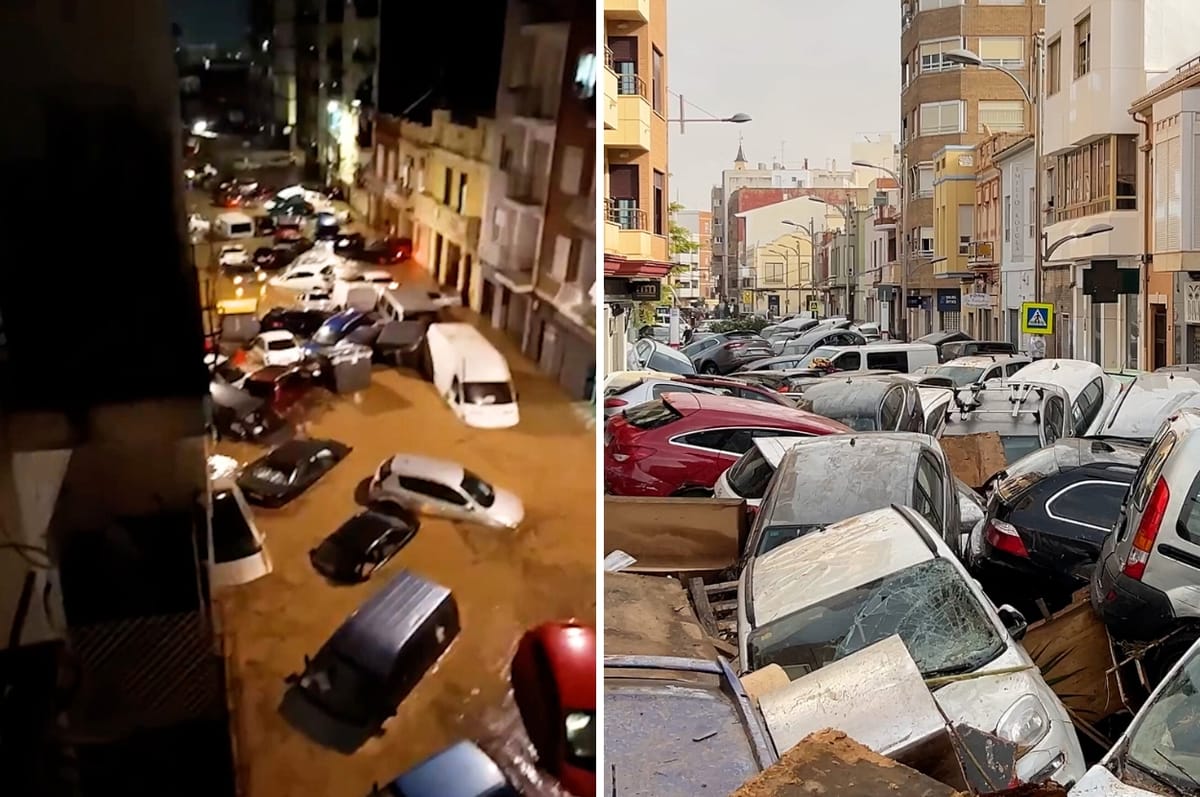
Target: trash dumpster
(349, 368)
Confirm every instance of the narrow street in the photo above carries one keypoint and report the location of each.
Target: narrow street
(503, 582)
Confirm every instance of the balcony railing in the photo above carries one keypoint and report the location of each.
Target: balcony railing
(630, 85)
(980, 254)
(627, 218)
(1083, 209)
(608, 57)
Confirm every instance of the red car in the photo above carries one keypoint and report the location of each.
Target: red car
(680, 444)
(281, 387)
(554, 684)
(388, 251)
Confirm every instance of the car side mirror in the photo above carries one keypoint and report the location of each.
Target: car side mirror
(1014, 621)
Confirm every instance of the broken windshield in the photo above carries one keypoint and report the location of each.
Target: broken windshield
(929, 605)
(1165, 738)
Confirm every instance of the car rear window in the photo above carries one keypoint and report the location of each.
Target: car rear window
(750, 475)
(1025, 472)
(651, 415)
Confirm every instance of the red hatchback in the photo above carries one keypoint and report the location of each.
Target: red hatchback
(680, 444)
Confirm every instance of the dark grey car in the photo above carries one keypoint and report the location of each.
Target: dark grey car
(822, 337)
(867, 405)
(727, 352)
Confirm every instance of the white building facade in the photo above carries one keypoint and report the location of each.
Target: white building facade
(1016, 246)
(1100, 56)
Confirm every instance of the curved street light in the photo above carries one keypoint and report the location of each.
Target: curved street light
(969, 58)
(1095, 229)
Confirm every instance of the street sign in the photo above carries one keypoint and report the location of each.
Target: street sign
(748, 298)
(814, 307)
(1037, 318)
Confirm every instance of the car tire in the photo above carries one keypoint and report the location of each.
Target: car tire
(709, 368)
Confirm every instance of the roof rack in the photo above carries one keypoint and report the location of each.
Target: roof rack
(1018, 394)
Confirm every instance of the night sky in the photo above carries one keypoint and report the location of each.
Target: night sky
(204, 21)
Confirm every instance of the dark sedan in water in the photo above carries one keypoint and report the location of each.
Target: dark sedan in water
(364, 543)
(280, 476)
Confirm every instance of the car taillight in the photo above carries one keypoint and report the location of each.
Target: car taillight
(613, 403)
(784, 389)
(631, 453)
(1004, 537)
(734, 345)
(1147, 531)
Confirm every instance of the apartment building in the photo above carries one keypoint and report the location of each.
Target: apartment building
(325, 65)
(1013, 247)
(1000, 214)
(881, 233)
(945, 105)
(1101, 55)
(1170, 221)
(694, 282)
(636, 217)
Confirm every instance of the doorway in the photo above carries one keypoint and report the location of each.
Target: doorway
(465, 292)
(487, 300)
(1159, 331)
(452, 256)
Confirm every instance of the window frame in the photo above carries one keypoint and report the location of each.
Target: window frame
(994, 106)
(942, 65)
(1058, 494)
(1054, 66)
(1081, 55)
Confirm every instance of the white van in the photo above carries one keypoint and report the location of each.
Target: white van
(361, 296)
(408, 303)
(1091, 391)
(236, 549)
(233, 225)
(902, 358)
(471, 375)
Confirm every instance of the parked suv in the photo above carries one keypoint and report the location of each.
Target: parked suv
(727, 352)
(681, 443)
(1145, 581)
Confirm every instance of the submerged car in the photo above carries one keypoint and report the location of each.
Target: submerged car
(444, 489)
(364, 543)
(283, 474)
(461, 770)
(888, 572)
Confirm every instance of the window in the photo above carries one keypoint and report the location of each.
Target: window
(905, 74)
(929, 5)
(432, 489)
(774, 272)
(1093, 504)
(660, 203)
(1189, 519)
(1001, 116)
(1005, 51)
(891, 408)
(1126, 185)
(926, 240)
(651, 415)
(711, 439)
(966, 228)
(462, 192)
(447, 187)
(928, 494)
(848, 361)
(922, 180)
(1087, 406)
(1086, 179)
(1053, 67)
(658, 87)
(1083, 46)
(887, 361)
(931, 54)
(940, 118)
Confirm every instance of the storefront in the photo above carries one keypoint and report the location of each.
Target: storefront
(949, 308)
(563, 349)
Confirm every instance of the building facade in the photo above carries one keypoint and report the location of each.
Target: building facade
(953, 230)
(881, 232)
(997, 218)
(636, 208)
(1169, 172)
(1100, 57)
(945, 105)
(694, 283)
(1014, 246)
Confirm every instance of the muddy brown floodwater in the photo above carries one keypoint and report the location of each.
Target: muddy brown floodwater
(504, 582)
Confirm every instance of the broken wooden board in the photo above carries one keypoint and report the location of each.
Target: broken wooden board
(651, 616)
(676, 535)
(830, 762)
(764, 681)
(974, 458)
(1072, 650)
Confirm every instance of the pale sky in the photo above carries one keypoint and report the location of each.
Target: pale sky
(811, 73)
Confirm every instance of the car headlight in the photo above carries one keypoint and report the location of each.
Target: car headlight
(237, 280)
(262, 276)
(1024, 724)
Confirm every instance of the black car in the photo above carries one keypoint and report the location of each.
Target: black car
(349, 244)
(265, 257)
(867, 405)
(941, 338)
(237, 415)
(1049, 513)
(301, 323)
(275, 479)
(364, 543)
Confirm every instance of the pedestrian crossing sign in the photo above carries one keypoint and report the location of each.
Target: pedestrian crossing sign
(1037, 318)
(814, 308)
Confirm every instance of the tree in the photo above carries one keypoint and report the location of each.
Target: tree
(681, 239)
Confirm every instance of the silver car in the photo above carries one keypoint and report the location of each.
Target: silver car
(626, 396)
(444, 489)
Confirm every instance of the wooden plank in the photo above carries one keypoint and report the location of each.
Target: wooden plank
(1072, 651)
(829, 762)
(724, 586)
(689, 535)
(702, 607)
(651, 616)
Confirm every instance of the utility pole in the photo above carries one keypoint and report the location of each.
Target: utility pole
(902, 314)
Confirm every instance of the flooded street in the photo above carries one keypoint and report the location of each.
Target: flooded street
(504, 582)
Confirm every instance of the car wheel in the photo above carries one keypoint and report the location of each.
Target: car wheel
(692, 492)
(709, 368)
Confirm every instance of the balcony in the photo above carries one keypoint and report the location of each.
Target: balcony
(633, 237)
(632, 129)
(536, 103)
(521, 188)
(515, 259)
(628, 10)
(610, 92)
(463, 230)
(980, 255)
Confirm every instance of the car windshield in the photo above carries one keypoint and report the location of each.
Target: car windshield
(280, 345)
(1017, 446)
(929, 605)
(477, 488)
(960, 375)
(581, 739)
(487, 393)
(651, 415)
(750, 475)
(1165, 740)
(318, 297)
(821, 352)
(273, 474)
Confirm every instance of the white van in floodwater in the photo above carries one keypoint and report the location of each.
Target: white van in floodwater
(471, 375)
(233, 225)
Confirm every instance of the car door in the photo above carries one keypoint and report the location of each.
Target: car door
(1012, 368)
(929, 497)
(1053, 419)
(435, 498)
(891, 409)
(847, 361)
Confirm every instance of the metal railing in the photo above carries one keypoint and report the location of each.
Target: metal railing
(630, 85)
(627, 218)
(608, 57)
(980, 254)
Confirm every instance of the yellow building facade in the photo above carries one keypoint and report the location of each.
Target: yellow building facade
(953, 210)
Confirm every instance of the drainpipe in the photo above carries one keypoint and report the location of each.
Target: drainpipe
(1146, 147)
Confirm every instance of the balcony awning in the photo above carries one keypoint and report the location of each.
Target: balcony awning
(615, 266)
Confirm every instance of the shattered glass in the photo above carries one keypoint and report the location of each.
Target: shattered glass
(928, 605)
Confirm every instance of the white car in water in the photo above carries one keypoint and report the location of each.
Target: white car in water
(277, 347)
(305, 279)
(233, 255)
(445, 489)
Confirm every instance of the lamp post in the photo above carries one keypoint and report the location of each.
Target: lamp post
(789, 249)
(1048, 249)
(901, 317)
(735, 119)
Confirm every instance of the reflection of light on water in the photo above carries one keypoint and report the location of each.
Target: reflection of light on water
(240, 292)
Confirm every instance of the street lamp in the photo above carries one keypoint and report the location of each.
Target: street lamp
(787, 255)
(969, 58)
(902, 317)
(736, 119)
(1095, 229)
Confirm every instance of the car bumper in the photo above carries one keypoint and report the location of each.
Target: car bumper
(632, 482)
(1129, 608)
(1058, 757)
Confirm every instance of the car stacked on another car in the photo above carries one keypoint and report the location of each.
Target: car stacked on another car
(980, 368)
(725, 352)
